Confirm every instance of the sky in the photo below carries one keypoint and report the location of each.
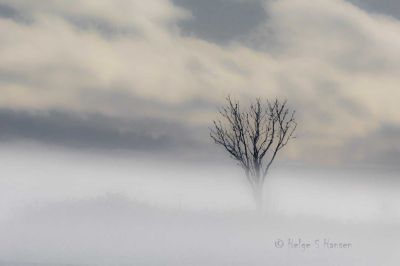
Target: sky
(150, 75)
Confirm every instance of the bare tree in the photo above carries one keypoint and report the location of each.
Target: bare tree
(254, 137)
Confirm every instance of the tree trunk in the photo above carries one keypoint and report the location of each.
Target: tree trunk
(258, 197)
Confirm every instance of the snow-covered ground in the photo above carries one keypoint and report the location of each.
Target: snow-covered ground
(70, 209)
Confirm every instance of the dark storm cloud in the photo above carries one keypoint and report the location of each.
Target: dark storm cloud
(387, 7)
(7, 12)
(13, 14)
(221, 21)
(91, 130)
(381, 146)
(105, 28)
(135, 105)
(80, 22)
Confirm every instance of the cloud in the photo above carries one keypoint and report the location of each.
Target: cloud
(93, 131)
(387, 7)
(336, 64)
(379, 147)
(221, 21)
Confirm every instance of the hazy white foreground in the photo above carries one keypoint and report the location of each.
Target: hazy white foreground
(76, 210)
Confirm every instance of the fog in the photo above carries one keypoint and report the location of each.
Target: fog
(63, 207)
